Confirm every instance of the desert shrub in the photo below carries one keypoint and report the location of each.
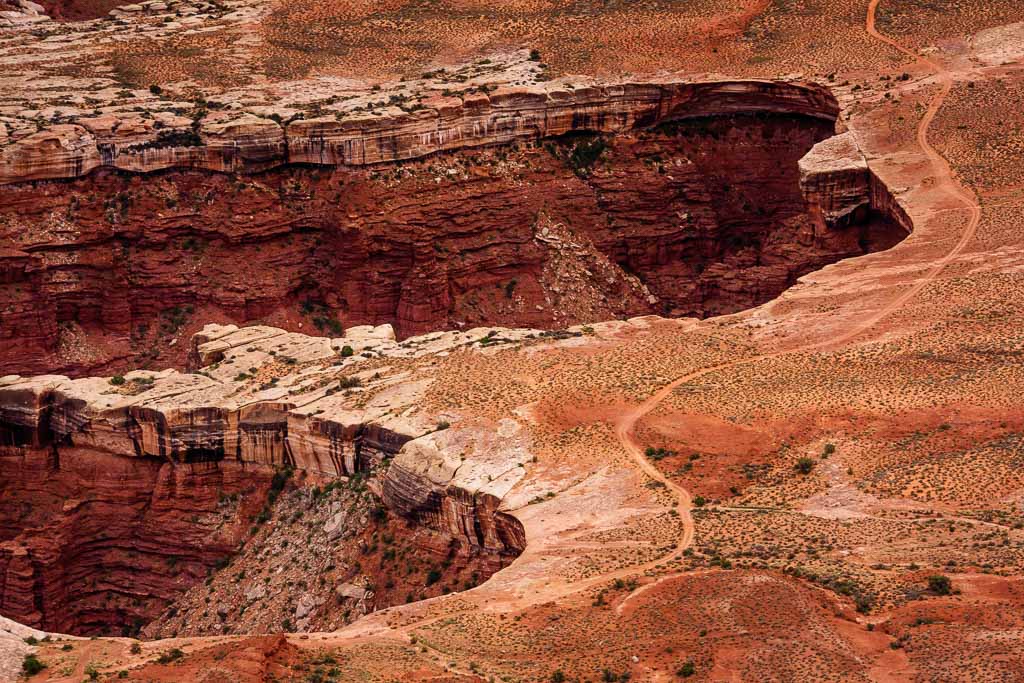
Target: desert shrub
(171, 655)
(31, 665)
(804, 465)
(940, 584)
(658, 453)
(585, 154)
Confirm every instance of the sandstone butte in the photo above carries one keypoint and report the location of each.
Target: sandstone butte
(538, 342)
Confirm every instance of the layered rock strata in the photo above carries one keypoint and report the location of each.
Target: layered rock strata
(97, 472)
(245, 143)
(259, 398)
(693, 217)
(841, 189)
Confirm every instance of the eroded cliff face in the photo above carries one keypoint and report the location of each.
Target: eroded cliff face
(701, 213)
(700, 216)
(95, 542)
(341, 132)
(118, 496)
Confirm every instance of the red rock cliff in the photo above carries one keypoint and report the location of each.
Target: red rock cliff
(695, 217)
(233, 142)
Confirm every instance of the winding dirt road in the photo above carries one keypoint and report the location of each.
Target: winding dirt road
(626, 424)
(943, 175)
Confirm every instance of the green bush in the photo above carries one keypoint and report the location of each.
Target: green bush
(658, 453)
(686, 670)
(585, 154)
(31, 665)
(804, 465)
(349, 382)
(347, 351)
(172, 655)
(863, 602)
(940, 585)
(117, 380)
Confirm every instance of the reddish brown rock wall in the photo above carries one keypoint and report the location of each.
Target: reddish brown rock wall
(107, 271)
(110, 512)
(92, 542)
(245, 143)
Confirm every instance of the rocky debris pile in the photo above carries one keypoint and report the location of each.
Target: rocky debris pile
(580, 281)
(293, 573)
(319, 557)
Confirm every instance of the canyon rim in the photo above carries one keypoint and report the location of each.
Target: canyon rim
(527, 341)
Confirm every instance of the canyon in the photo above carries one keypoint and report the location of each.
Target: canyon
(472, 342)
(121, 495)
(197, 452)
(681, 200)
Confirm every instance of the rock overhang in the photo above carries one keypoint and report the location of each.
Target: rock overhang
(243, 142)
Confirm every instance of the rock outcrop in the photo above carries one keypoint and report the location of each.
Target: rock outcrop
(432, 482)
(14, 639)
(692, 217)
(244, 143)
(21, 14)
(61, 151)
(840, 188)
(138, 479)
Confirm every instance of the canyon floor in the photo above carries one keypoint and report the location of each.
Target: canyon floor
(552, 341)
